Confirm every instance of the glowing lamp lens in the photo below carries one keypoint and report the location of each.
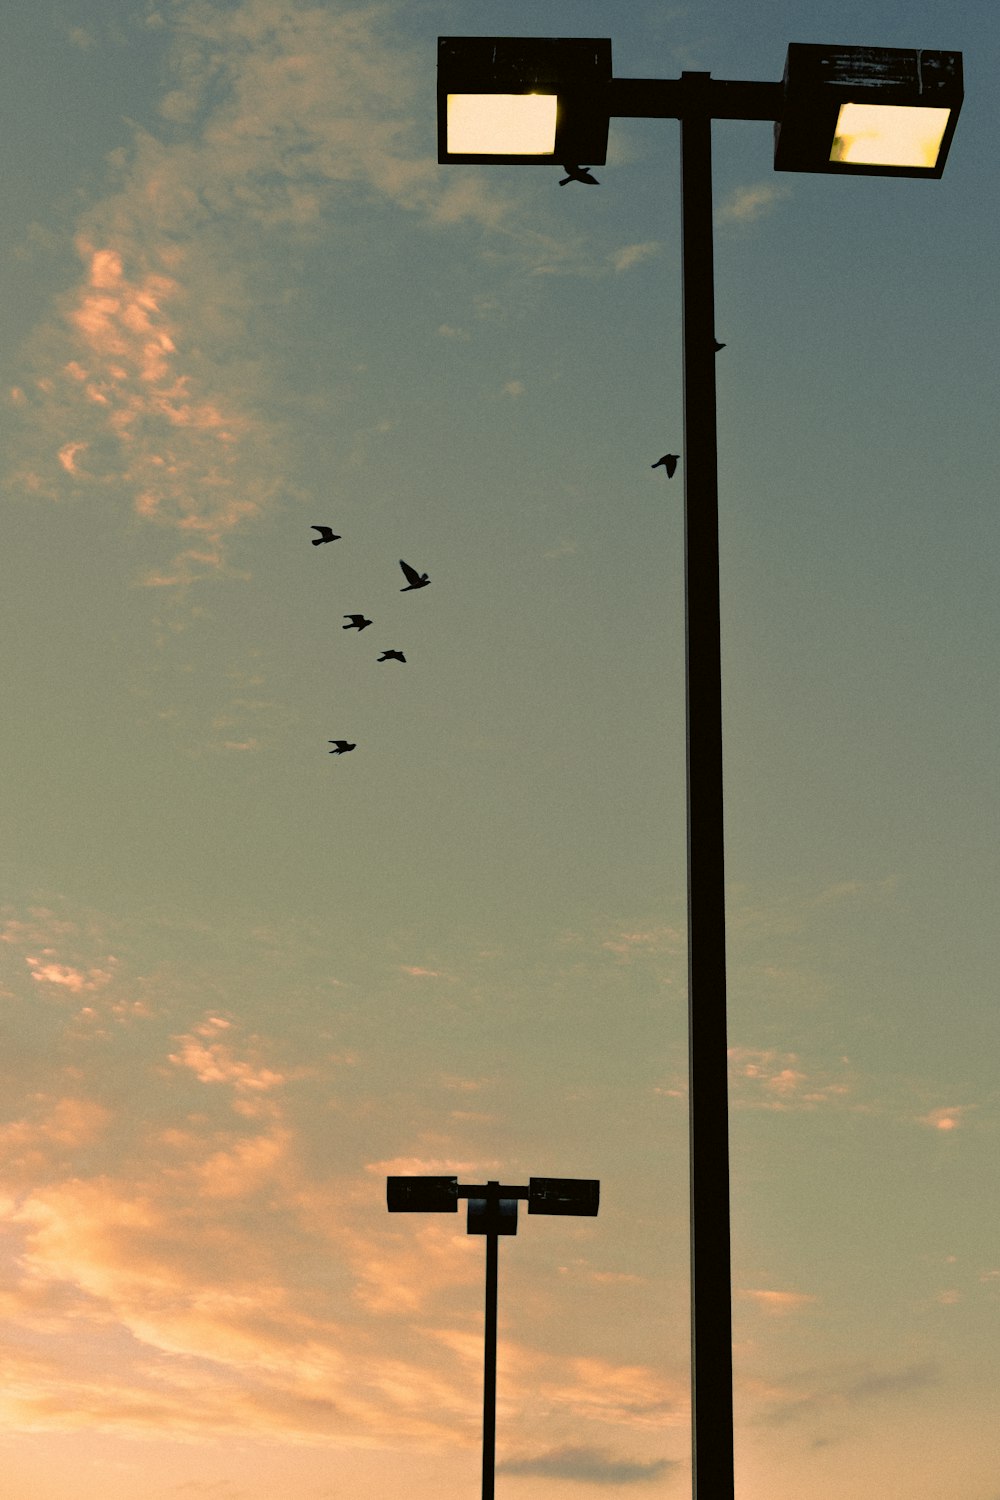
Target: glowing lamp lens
(502, 124)
(889, 135)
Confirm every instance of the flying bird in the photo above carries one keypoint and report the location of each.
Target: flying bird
(326, 534)
(341, 747)
(669, 462)
(392, 655)
(357, 622)
(414, 580)
(578, 174)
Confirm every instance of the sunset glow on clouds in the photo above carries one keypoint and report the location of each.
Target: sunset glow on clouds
(142, 409)
(198, 1247)
(150, 382)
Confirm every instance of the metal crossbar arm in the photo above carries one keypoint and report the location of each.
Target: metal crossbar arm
(670, 98)
(491, 1190)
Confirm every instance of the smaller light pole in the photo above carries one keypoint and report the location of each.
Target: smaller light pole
(492, 1212)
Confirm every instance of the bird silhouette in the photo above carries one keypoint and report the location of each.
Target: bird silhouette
(392, 655)
(669, 462)
(357, 622)
(578, 174)
(718, 346)
(326, 534)
(341, 746)
(414, 580)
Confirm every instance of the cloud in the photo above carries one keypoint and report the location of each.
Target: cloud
(158, 380)
(588, 1465)
(65, 976)
(214, 1062)
(631, 255)
(629, 1395)
(763, 1078)
(194, 1295)
(629, 941)
(156, 383)
(811, 1393)
(746, 203)
(51, 1129)
(193, 1219)
(777, 1303)
(945, 1117)
(794, 912)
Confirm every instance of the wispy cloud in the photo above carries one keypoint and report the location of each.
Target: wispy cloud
(813, 1393)
(213, 1059)
(628, 942)
(65, 976)
(589, 1466)
(155, 383)
(764, 1078)
(632, 255)
(746, 203)
(776, 1303)
(946, 1117)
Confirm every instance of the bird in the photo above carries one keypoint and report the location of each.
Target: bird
(392, 655)
(326, 534)
(718, 346)
(357, 622)
(669, 462)
(341, 746)
(578, 174)
(414, 580)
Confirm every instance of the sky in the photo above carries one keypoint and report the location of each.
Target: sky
(244, 979)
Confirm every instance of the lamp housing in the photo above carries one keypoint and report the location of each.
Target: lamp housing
(526, 101)
(422, 1195)
(563, 1195)
(491, 1216)
(867, 111)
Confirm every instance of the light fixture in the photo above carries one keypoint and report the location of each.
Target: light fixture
(523, 100)
(876, 111)
(563, 1195)
(422, 1195)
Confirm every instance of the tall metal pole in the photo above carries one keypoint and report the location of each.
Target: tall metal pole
(711, 1292)
(490, 1359)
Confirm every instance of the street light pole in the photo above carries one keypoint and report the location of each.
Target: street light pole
(846, 111)
(708, 1101)
(490, 1356)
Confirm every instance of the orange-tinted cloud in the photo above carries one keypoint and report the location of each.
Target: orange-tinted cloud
(763, 1078)
(946, 1117)
(776, 1303)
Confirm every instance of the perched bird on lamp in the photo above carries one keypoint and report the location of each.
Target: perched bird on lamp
(357, 622)
(578, 174)
(326, 534)
(669, 462)
(414, 580)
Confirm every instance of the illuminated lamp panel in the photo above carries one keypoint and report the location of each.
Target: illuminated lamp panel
(502, 124)
(889, 135)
